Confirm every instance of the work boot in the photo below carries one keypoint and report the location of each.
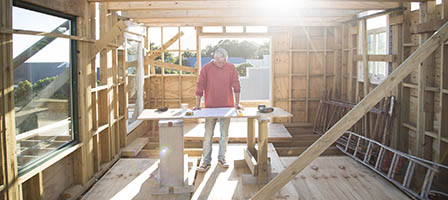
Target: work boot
(204, 167)
(223, 163)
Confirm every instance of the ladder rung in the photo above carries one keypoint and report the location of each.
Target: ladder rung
(348, 142)
(367, 156)
(357, 146)
(379, 158)
(392, 167)
(427, 183)
(409, 174)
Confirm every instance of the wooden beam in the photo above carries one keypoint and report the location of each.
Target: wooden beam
(215, 13)
(182, 5)
(262, 157)
(249, 0)
(262, 21)
(326, 140)
(164, 46)
(154, 63)
(8, 135)
(108, 37)
(376, 58)
(428, 27)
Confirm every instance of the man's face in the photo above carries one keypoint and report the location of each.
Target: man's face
(220, 62)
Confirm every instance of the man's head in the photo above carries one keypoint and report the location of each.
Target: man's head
(220, 57)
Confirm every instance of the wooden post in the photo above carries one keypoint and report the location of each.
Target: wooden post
(290, 75)
(105, 66)
(424, 118)
(8, 135)
(262, 156)
(405, 91)
(83, 162)
(365, 66)
(308, 65)
(443, 95)
(354, 115)
(251, 135)
(350, 96)
(397, 49)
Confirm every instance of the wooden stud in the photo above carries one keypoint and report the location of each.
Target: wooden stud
(290, 74)
(438, 155)
(8, 115)
(262, 158)
(424, 118)
(354, 115)
(405, 92)
(308, 66)
(350, 96)
(397, 49)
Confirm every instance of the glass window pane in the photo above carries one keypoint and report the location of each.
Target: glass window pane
(212, 29)
(234, 29)
(188, 40)
(256, 29)
(42, 86)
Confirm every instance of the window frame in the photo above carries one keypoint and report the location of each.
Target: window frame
(73, 86)
(376, 79)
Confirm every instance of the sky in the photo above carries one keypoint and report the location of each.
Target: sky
(56, 51)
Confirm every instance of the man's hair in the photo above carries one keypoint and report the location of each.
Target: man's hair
(221, 53)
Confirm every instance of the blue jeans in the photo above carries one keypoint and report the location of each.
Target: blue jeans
(208, 138)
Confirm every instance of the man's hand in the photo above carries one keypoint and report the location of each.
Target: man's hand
(239, 107)
(197, 107)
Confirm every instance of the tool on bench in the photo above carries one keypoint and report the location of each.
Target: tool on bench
(239, 113)
(263, 109)
(189, 113)
(162, 109)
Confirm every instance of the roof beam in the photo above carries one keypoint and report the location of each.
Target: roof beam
(205, 5)
(400, 1)
(139, 14)
(228, 21)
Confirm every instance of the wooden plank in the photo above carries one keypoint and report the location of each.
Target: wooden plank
(376, 58)
(182, 5)
(397, 49)
(251, 162)
(428, 27)
(169, 65)
(308, 66)
(134, 148)
(395, 20)
(355, 114)
(340, 177)
(237, 133)
(71, 7)
(443, 97)
(122, 183)
(33, 188)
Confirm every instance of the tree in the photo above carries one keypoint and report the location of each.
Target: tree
(245, 49)
(242, 69)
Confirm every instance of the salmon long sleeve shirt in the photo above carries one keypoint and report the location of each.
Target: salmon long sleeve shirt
(217, 84)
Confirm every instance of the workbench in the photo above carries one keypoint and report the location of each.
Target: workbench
(171, 139)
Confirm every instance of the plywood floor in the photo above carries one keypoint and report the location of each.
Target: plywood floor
(332, 177)
(341, 177)
(237, 132)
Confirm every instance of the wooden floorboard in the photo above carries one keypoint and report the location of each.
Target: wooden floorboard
(219, 183)
(237, 132)
(340, 177)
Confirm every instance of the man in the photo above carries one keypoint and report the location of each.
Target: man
(217, 79)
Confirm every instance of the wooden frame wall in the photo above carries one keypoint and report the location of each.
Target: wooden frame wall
(421, 97)
(171, 90)
(305, 64)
